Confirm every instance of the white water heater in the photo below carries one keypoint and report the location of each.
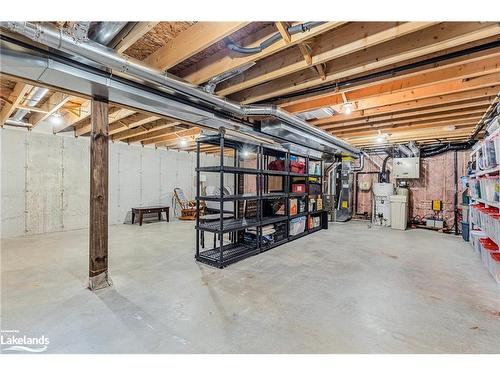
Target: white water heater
(382, 192)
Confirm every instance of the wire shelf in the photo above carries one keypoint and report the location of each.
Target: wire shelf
(230, 253)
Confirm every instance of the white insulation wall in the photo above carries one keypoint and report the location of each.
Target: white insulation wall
(45, 181)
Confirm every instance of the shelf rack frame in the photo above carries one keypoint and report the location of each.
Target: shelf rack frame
(223, 253)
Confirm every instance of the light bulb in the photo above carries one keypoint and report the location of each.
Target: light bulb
(183, 142)
(56, 119)
(347, 108)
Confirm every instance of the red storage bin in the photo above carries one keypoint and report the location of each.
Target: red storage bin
(298, 167)
(298, 188)
(487, 247)
(495, 266)
(276, 165)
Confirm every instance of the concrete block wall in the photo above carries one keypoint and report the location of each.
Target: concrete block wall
(45, 181)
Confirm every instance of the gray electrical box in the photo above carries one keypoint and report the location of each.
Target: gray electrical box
(406, 167)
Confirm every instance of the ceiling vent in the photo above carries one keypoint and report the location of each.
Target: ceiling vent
(316, 114)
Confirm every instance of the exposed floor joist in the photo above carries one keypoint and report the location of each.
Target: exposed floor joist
(419, 100)
(17, 96)
(224, 61)
(426, 41)
(137, 32)
(329, 46)
(191, 41)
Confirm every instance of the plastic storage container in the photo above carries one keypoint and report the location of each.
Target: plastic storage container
(399, 211)
(494, 266)
(488, 188)
(496, 142)
(465, 231)
(297, 225)
(489, 159)
(496, 197)
(488, 247)
(297, 164)
(474, 188)
(475, 236)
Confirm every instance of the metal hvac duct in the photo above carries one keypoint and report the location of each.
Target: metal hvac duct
(413, 147)
(50, 36)
(33, 64)
(104, 32)
(405, 150)
(38, 94)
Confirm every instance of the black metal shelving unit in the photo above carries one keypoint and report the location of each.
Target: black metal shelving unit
(246, 236)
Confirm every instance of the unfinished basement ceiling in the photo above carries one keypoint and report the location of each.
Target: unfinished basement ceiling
(440, 78)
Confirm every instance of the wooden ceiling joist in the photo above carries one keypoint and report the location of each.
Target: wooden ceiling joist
(421, 43)
(417, 111)
(131, 135)
(223, 61)
(70, 118)
(191, 41)
(417, 125)
(283, 30)
(17, 95)
(155, 132)
(138, 31)
(130, 122)
(486, 92)
(448, 116)
(471, 66)
(430, 91)
(115, 114)
(329, 46)
(51, 106)
(473, 106)
(409, 136)
(169, 138)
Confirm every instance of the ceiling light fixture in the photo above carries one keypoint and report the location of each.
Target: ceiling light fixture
(183, 142)
(381, 137)
(56, 119)
(347, 108)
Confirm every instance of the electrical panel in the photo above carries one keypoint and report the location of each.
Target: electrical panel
(406, 167)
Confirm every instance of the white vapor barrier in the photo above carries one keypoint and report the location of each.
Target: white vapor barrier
(45, 181)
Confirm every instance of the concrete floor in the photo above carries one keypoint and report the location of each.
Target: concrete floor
(350, 289)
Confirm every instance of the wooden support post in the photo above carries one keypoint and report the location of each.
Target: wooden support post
(98, 228)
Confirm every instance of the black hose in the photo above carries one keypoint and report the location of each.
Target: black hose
(437, 150)
(301, 28)
(384, 173)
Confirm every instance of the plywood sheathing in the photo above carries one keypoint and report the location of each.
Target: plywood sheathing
(235, 37)
(156, 38)
(6, 87)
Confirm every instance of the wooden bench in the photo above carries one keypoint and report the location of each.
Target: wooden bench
(150, 210)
